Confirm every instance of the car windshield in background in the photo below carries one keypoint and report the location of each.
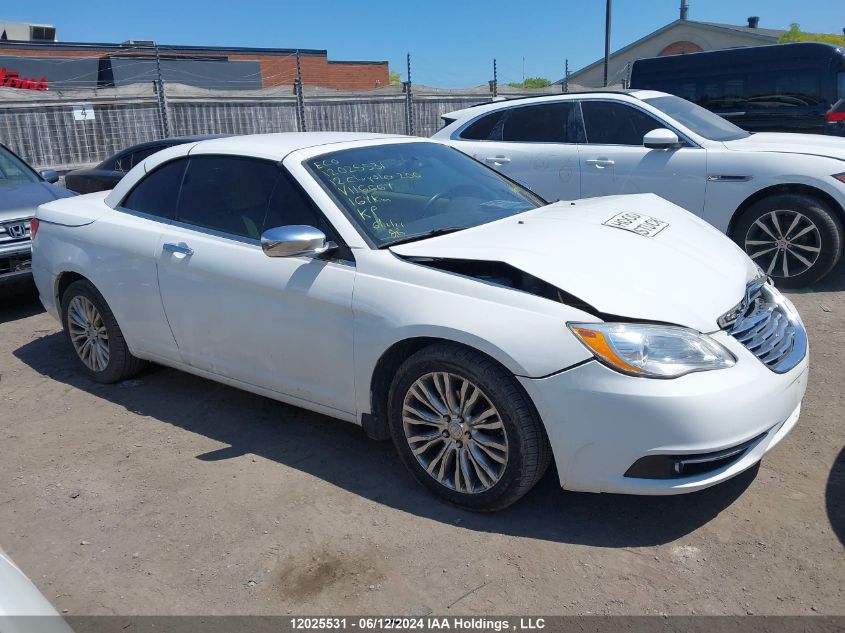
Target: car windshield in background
(404, 191)
(702, 122)
(13, 171)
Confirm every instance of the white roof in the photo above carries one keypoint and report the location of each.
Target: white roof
(626, 95)
(273, 147)
(277, 146)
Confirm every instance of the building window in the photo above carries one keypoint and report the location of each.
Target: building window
(680, 48)
(42, 33)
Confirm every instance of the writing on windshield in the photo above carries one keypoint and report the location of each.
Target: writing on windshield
(364, 186)
(396, 191)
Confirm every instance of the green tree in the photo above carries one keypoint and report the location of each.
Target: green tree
(795, 34)
(395, 78)
(532, 82)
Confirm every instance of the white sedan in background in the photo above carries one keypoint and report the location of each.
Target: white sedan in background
(395, 283)
(779, 196)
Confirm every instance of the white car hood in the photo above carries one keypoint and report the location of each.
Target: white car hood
(688, 274)
(812, 144)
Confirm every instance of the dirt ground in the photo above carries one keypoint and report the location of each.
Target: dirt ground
(174, 495)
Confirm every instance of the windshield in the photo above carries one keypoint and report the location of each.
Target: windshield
(699, 120)
(13, 171)
(401, 191)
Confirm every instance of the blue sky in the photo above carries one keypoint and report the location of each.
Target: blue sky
(452, 44)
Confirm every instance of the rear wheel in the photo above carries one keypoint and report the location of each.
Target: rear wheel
(465, 429)
(795, 238)
(95, 336)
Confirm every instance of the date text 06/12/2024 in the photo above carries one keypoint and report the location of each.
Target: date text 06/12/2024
(416, 623)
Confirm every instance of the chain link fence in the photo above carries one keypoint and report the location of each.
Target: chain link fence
(69, 128)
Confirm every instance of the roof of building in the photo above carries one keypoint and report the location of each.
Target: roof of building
(744, 29)
(111, 48)
(764, 35)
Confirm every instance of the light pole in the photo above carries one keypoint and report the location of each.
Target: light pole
(607, 39)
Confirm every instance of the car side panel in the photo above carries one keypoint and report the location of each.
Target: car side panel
(751, 172)
(548, 169)
(432, 303)
(117, 254)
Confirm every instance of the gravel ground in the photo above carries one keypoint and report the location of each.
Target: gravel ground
(171, 494)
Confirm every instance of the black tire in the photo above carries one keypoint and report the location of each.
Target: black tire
(121, 363)
(829, 239)
(529, 452)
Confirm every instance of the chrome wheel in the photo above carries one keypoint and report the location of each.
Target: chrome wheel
(783, 243)
(88, 333)
(455, 432)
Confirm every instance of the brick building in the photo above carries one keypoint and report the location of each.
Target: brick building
(69, 65)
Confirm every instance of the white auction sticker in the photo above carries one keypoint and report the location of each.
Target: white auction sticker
(644, 225)
(83, 112)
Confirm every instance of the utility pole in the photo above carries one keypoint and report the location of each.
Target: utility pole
(523, 72)
(300, 98)
(409, 101)
(565, 82)
(495, 80)
(162, 95)
(607, 39)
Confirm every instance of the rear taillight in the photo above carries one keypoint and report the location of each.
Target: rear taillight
(835, 117)
(34, 223)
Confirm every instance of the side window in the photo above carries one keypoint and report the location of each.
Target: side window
(547, 123)
(158, 192)
(609, 123)
(141, 154)
(487, 128)
(290, 205)
(123, 162)
(227, 194)
(841, 84)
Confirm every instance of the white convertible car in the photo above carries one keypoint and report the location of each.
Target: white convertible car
(779, 196)
(398, 284)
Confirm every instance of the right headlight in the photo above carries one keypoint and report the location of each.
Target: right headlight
(652, 351)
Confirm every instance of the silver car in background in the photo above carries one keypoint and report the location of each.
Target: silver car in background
(22, 189)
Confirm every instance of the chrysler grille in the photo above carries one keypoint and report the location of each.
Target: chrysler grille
(769, 328)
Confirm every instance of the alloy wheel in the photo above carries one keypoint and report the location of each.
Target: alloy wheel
(88, 333)
(455, 432)
(783, 243)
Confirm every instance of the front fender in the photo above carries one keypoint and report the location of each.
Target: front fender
(723, 199)
(395, 300)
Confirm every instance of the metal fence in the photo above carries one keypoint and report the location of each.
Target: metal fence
(67, 129)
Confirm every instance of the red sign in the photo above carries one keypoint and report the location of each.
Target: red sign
(11, 79)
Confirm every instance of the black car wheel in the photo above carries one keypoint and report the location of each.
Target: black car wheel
(93, 332)
(795, 238)
(465, 428)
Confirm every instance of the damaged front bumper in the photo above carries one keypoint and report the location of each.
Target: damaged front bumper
(615, 433)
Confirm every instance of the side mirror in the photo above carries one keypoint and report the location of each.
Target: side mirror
(661, 138)
(50, 175)
(295, 240)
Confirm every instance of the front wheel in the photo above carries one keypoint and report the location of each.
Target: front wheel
(465, 429)
(796, 239)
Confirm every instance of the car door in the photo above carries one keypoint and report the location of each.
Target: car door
(126, 259)
(283, 324)
(535, 144)
(614, 160)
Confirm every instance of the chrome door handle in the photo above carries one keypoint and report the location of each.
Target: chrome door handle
(180, 249)
(601, 163)
(498, 160)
